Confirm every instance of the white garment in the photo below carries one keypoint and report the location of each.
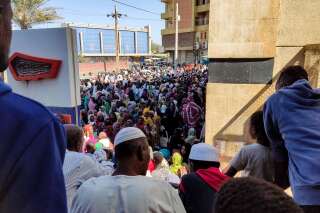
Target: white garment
(126, 194)
(77, 168)
(105, 142)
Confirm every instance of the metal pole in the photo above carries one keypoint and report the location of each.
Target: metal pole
(177, 19)
(116, 16)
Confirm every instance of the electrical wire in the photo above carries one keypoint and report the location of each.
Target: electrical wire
(80, 13)
(137, 8)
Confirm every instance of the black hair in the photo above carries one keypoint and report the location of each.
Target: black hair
(251, 195)
(257, 129)
(74, 137)
(187, 147)
(290, 75)
(196, 164)
(90, 147)
(157, 158)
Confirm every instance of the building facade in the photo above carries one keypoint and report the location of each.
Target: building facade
(193, 29)
(97, 48)
(250, 42)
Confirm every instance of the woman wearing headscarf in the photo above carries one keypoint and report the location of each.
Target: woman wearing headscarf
(92, 104)
(162, 170)
(191, 136)
(185, 152)
(165, 153)
(177, 167)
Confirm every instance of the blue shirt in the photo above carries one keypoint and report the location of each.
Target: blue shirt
(292, 122)
(32, 149)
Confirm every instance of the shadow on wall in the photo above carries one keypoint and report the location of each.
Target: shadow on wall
(310, 61)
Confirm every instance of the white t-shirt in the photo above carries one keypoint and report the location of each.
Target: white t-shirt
(124, 194)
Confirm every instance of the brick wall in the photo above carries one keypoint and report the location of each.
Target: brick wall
(185, 40)
(95, 67)
(186, 14)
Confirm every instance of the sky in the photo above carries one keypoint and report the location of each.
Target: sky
(95, 12)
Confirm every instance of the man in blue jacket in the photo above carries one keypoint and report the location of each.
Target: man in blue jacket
(292, 122)
(32, 145)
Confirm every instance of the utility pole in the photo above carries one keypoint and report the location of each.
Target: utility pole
(116, 16)
(177, 19)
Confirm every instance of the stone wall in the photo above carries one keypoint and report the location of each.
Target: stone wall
(255, 30)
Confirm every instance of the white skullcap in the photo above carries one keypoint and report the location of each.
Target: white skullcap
(204, 152)
(128, 134)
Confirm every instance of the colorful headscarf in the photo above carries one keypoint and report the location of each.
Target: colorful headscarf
(165, 153)
(176, 163)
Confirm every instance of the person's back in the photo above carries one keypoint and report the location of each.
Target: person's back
(256, 161)
(128, 190)
(292, 118)
(77, 169)
(32, 151)
(126, 194)
(197, 195)
(198, 190)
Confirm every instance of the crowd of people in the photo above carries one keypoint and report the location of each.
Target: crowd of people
(166, 104)
(138, 108)
(140, 147)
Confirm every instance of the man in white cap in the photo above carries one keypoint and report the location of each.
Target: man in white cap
(199, 188)
(128, 189)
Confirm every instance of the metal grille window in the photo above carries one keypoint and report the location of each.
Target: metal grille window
(143, 44)
(91, 41)
(127, 42)
(108, 37)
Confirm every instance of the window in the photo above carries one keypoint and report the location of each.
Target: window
(127, 42)
(143, 43)
(108, 37)
(91, 41)
(202, 2)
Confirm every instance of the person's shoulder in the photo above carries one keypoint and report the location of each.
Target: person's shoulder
(145, 182)
(190, 180)
(77, 155)
(188, 177)
(274, 98)
(252, 147)
(27, 109)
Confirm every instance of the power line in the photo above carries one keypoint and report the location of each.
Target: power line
(142, 19)
(103, 16)
(80, 13)
(137, 8)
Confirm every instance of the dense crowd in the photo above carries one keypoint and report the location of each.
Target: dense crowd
(140, 147)
(161, 110)
(166, 104)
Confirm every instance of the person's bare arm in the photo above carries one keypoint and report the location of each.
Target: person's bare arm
(281, 175)
(230, 171)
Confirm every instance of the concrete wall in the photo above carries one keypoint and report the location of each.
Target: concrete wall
(52, 44)
(271, 29)
(243, 28)
(60, 95)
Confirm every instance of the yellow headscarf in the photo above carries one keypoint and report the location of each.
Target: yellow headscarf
(176, 163)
